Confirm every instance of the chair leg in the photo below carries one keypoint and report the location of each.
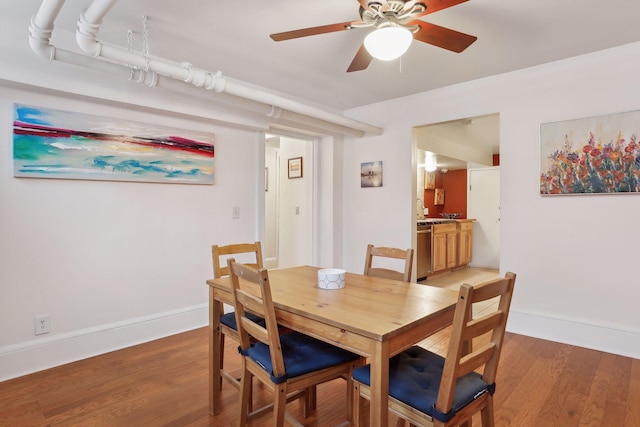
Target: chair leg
(279, 404)
(350, 400)
(250, 387)
(487, 413)
(355, 404)
(310, 401)
(353, 397)
(221, 346)
(245, 395)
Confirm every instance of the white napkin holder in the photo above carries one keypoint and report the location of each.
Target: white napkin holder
(331, 278)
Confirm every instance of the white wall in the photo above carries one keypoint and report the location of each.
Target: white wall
(112, 263)
(575, 256)
(381, 216)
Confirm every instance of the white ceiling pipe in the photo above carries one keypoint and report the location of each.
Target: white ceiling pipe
(279, 115)
(40, 31)
(46, 15)
(89, 25)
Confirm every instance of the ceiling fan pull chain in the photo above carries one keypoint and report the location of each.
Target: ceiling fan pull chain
(130, 48)
(145, 42)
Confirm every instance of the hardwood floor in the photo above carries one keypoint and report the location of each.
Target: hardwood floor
(164, 383)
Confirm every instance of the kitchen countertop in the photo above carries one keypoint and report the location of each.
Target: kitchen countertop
(432, 221)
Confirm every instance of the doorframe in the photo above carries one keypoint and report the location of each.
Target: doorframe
(311, 165)
(417, 144)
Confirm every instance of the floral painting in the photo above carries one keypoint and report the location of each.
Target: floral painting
(591, 156)
(50, 143)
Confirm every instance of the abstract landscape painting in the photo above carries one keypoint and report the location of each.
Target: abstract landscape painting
(597, 155)
(50, 143)
(371, 174)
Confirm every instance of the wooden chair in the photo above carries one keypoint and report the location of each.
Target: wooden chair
(406, 255)
(427, 389)
(285, 364)
(228, 326)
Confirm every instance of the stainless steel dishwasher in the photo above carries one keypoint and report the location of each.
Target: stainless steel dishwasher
(423, 250)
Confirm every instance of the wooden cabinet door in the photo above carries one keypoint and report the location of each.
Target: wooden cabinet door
(468, 244)
(439, 252)
(444, 246)
(465, 243)
(452, 252)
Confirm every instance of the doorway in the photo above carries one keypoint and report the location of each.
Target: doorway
(288, 210)
(471, 143)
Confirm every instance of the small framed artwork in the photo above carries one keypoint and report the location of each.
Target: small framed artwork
(371, 174)
(439, 196)
(295, 167)
(429, 181)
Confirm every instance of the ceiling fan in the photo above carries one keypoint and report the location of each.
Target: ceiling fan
(402, 14)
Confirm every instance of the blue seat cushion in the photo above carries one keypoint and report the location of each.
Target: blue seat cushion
(301, 353)
(229, 319)
(414, 378)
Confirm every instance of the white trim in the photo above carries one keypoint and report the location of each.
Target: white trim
(607, 338)
(27, 357)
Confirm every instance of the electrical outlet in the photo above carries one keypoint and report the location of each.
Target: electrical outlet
(43, 324)
(235, 214)
(297, 210)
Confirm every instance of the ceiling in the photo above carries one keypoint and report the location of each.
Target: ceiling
(233, 37)
(481, 132)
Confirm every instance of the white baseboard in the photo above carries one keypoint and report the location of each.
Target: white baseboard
(49, 351)
(55, 350)
(607, 338)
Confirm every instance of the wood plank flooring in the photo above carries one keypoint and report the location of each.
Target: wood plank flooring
(164, 383)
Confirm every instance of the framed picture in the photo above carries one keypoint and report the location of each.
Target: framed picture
(438, 198)
(371, 174)
(49, 143)
(295, 167)
(429, 181)
(596, 155)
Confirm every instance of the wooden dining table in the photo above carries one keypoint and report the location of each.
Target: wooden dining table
(374, 317)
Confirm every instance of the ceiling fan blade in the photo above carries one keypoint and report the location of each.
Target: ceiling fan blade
(360, 61)
(323, 29)
(445, 38)
(436, 5)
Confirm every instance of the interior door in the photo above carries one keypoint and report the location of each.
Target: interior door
(484, 206)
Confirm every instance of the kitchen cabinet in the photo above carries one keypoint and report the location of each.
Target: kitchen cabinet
(465, 242)
(444, 251)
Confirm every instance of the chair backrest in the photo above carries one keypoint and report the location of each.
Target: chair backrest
(220, 255)
(402, 254)
(462, 356)
(257, 300)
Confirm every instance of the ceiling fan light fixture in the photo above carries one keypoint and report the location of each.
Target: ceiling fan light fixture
(388, 43)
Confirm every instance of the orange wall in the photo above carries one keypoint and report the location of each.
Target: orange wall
(454, 184)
